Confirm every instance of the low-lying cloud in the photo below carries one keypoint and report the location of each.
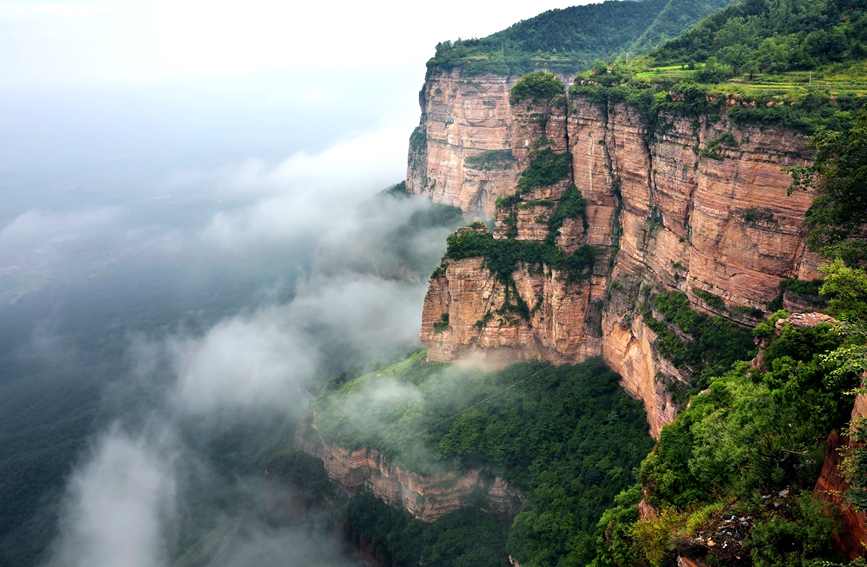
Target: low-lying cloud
(360, 301)
(305, 194)
(118, 505)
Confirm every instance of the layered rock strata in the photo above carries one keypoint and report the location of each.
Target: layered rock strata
(689, 203)
(463, 117)
(427, 497)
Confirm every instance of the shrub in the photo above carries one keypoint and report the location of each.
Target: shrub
(545, 169)
(794, 538)
(711, 299)
(537, 88)
(442, 324)
(490, 160)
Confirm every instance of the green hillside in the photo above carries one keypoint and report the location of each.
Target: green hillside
(571, 39)
(567, 436)
(774, 36)
(797, 63)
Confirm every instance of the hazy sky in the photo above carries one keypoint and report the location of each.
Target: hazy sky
(98, 85)
(157, 41)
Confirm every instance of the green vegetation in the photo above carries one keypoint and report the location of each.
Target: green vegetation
(491, 160)
(712, 299)
(800, 63)
(838, 215)
(502, 257)
(572, 206)
(568, 437)
(803, 287)
(398, 191)
(545, 169)
(846, 289)
(466, 537)
(756, 215)
(418, 141)
(572, 39)
(766, 35)
(802, 109)
(714, 342)
(537, 88)
(442, 324)
(715, 145)
(300, 470)
(754, 434)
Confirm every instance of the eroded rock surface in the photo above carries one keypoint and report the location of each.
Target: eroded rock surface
(462, 117)
(427, 497)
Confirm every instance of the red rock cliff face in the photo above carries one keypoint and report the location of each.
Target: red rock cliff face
(832, 487)
(462, 117)
(681, 207)
(426, 497)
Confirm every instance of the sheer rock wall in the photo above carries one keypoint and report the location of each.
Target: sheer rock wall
(693, 203)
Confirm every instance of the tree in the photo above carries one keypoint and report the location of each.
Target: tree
(847, 290)
(838, 217)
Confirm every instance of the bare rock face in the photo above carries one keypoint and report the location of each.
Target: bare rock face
(697, 205)
(426, 497)
(461, 118)
(471, 298)
(643, 373)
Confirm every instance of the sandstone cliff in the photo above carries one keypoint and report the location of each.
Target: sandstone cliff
(673, 202)
(426, 497)
(462, 117)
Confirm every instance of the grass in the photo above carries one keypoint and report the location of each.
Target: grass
(838, 78)
(831, 101)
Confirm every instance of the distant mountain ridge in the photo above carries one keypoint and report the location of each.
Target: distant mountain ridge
(572, 39)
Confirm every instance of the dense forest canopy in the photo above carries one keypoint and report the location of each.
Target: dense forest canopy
(774, 35)
(571, 39)
(567, 436)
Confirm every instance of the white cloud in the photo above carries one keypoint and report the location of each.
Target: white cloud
(116, 507)
(305, 194)
(263, 359)
(243, 362)
(39, 227)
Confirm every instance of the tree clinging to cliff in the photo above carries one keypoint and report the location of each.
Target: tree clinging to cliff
(838, 216)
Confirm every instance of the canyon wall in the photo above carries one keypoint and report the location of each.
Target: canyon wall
(674, 201)
(427, 497)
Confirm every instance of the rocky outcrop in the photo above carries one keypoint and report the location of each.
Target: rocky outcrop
(679, 202)
(799, 320)
(832, 487)
(463, 117)
(427, 497)
(558, 330)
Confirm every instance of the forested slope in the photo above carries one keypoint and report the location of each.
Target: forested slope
(571, 39)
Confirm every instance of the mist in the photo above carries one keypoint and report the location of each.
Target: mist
(192, 239)
(345, 292)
